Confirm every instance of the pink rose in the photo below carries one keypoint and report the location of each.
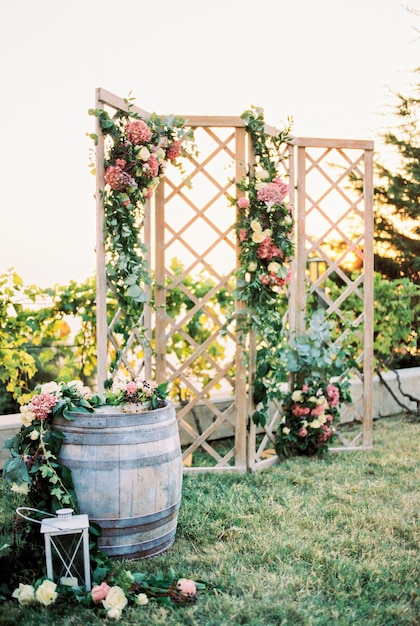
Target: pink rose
(99, 592)
(333, 395)
(243, 203)
(131, 388)
(186, 587)
(303, 432)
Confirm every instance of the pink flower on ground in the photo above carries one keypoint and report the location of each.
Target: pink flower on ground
(186, 587)
(333, 395)
(174, 150)
(138, 132)
(243, 203)
(42, 405)
(99, 592)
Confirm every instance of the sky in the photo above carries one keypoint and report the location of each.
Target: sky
(330, 64)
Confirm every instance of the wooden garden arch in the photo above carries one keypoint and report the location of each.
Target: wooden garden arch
(190, 216)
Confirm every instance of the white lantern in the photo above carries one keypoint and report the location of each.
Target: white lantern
(67, 548)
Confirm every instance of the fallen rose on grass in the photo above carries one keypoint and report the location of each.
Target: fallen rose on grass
(46, 593)
(24, 594)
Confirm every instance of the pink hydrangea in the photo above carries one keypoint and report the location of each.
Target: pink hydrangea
(333, 395)
(174, 150)
(243, 203)
(268, 250)
(117, 179)
(273, 193)
(138, 132)
(42, 405)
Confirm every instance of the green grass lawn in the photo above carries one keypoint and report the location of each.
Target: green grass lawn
(331, 541)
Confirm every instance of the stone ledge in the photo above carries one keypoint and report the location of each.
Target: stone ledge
(384, 405)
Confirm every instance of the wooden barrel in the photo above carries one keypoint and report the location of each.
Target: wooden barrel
(127, 473)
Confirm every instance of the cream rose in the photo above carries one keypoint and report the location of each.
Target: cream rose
(143, 154)
(256, 226)
(273, 267)
(297, 395)
(114, 614)
(34, 435)
(27, 416)
(252, 266)
(142, 599)
(22, 488)
(286, 430)
(25, 594)
(46, 593)
(115, 599)
(258, 236)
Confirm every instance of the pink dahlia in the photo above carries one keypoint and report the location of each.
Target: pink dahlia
(138, 132)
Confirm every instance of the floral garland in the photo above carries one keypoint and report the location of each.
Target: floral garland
(265, 223)
(264, 228)
(136, 154)
(114, 594)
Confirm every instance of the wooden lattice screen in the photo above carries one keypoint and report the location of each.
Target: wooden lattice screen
(189, 234)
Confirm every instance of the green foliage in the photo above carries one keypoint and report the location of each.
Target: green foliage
(45, 334)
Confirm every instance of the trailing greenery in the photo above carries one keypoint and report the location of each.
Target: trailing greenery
(137, 151)
(311, 541)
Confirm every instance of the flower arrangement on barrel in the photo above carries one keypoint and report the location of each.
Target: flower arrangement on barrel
(34, 471)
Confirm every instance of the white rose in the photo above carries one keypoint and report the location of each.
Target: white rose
(322, 418)
(25, 594)
(51, 387)
(267, 232)
(321, 400)
(22, 488)
(143, 154)
(115, 599)
(286, 430)
(142, 599)
(46, 593)
(34, 435)
(160, 155)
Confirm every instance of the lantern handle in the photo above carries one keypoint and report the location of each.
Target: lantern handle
(31, 519)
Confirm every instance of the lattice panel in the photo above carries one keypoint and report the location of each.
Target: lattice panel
(198, 228)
